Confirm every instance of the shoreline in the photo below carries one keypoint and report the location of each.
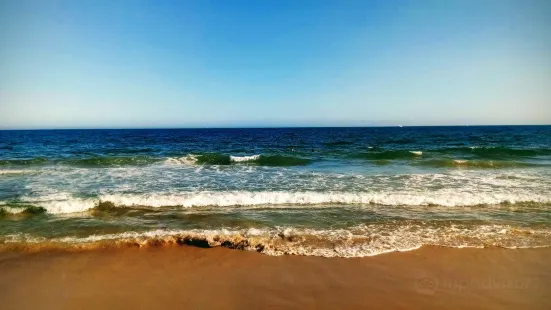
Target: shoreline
(192, 277)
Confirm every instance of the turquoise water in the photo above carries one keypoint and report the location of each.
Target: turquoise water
(310, 191)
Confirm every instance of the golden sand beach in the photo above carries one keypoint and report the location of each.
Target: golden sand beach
(187, 277)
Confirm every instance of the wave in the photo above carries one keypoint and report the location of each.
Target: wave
(249, 198)
(7, 211)
(443, 157)
(201, 159)
(489, 157)
(220, 159)
(357, 241)
(498, 151)
(99, 161)
(482, 152)
(23, 162)
(483, 164)
(109, 161)
(387, 155)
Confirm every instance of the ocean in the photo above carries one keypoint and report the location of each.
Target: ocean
(333, 192)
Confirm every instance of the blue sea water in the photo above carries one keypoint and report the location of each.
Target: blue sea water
(310, 191)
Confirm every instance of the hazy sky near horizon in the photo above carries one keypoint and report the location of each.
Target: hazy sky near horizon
(133, 63)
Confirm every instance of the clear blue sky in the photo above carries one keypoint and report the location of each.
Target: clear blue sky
(94, 63)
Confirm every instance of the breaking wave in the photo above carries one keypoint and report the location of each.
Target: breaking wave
(249, 198)
(220, 159)
(201, 159)
(7, 211)
(357, 241)
(441, 156)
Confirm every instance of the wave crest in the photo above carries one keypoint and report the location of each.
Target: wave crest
(8, 211)
(249, 198)
(220, 159)
(23, 162)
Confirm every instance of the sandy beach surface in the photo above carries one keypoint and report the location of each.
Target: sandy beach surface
(194, 278)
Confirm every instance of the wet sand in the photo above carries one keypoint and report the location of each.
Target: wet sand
(195, 278)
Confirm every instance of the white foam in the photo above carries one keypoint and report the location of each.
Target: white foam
(15, 172)
(49, 195)
(189, 159)
(447, 198)
(238, 159)
(21, 237)
(11, 210)
(245, 198)
(68, 206)
(417, 153)
(358, 241)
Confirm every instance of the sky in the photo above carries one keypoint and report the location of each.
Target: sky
(135, 63)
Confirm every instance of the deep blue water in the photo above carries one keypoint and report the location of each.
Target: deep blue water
(317, 191)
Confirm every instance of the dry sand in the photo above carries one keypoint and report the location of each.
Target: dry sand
(194, 278)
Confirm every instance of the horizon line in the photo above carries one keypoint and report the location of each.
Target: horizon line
(262, 127)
